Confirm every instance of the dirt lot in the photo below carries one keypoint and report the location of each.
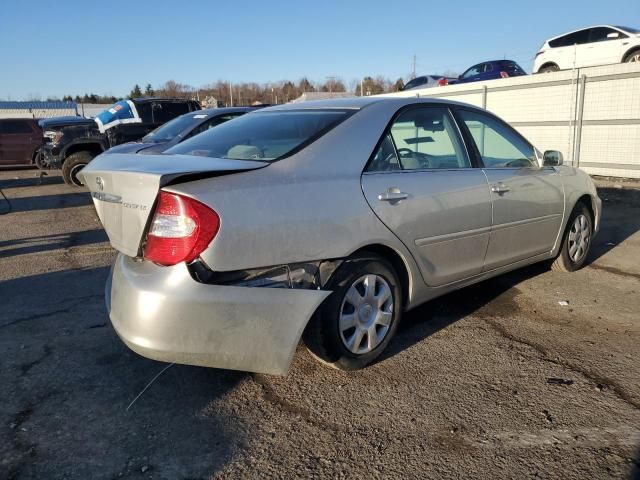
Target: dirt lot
(467, 391)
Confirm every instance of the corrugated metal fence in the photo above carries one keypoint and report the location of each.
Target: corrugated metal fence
(37, 109)
(592, 115)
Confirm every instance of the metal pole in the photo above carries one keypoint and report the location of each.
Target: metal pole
(230, 95)
(578, 127)
(484, 97)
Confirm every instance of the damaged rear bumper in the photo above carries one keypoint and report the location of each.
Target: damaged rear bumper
(164, 314)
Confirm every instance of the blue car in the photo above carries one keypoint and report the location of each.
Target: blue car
(490, 70)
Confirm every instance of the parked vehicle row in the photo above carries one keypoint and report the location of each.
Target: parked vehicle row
(71, 142)
(325, 221)
(180, 129)
(588, 47)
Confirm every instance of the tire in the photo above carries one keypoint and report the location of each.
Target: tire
(579, 231)
(549, 68)
(632, 57)
(72, 166)
(339, 332)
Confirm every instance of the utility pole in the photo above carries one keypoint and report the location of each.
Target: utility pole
(361, 87)
(230, 95)
(413, 70)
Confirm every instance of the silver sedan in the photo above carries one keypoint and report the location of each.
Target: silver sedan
(325, 222)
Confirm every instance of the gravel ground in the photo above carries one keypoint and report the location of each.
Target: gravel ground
(497, 380)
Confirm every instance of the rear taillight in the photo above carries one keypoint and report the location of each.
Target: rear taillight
(180, 230)
(443, 82)
(504, 74)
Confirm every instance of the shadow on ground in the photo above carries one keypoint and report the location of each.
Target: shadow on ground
(620, 219)
(31, 181)
(46, 243)
(496, 295)
(67, 381)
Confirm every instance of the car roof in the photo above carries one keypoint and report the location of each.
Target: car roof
(358, 103)
(222, 110)
(585, 28)
(352, 103)
(160, 99)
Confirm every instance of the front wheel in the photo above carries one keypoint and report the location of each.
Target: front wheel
(576, 241)
(72, 166)
(356, 323)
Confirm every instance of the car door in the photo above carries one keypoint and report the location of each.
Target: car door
(422, 185)
(18, 142)
(582, 49)
(605, 46)
(528, 201)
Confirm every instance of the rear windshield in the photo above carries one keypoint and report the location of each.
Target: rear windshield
(510, 64)
(262, 135)
(172, 129)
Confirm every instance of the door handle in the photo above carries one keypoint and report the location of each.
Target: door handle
(500, 188)
(393, 194)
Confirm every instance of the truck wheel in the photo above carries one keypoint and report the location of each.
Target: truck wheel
(72, 166)
(357, 321)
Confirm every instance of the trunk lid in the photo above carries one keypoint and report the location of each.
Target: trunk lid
(124, 188)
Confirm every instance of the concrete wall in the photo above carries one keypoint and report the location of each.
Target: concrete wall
(591, 115)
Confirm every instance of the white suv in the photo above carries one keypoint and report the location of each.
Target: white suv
(600, 45)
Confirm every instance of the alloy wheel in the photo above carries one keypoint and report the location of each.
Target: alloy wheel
(366, 314)
(579, 238)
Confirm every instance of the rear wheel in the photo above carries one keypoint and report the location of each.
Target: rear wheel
(552, 67)
(356, 323)
(72, 166)
(576, 241)
(632, 57)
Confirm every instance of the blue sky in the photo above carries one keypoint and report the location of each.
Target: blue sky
(53, 48)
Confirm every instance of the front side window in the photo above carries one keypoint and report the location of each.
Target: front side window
(498, 144)
(265, 135)
(473, 71)
(424, 138)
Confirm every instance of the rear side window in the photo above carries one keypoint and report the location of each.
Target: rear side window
(513, 66)
(498, 145)
(14, 127)
(262, 135)
(575, 38)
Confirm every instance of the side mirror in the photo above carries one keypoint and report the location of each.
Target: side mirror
(613, 35)
(552, 158)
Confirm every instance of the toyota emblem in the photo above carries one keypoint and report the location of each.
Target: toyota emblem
(100, 183)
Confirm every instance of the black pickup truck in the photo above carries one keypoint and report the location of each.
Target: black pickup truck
(71, 142)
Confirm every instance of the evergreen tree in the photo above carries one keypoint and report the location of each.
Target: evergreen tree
(135, 93)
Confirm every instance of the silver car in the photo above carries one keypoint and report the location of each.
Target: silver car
(325, 221)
